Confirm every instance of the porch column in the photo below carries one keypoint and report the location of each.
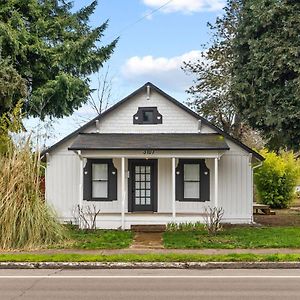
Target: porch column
(123, 192)
(216, 181)
(173, 188)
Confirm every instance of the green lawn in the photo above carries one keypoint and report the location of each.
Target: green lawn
(148, 258)
(98, 239)
(236, 237)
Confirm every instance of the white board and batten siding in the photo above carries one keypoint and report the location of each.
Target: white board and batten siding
(64, 170)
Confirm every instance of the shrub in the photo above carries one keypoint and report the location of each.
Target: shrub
(276, 179)
(213, 218)
(187, 226)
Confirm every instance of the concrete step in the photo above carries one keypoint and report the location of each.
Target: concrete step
(148, 228)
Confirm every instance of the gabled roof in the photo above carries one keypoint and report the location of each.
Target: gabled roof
(153, 141)
(171, 99)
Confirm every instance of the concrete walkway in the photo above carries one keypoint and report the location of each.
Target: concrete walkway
(138, 250)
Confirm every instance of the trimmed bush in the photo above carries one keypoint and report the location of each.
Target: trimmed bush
(276, 179)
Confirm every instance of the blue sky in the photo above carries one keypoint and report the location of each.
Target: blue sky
(151, 49)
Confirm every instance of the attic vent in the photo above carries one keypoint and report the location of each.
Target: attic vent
(147, 115)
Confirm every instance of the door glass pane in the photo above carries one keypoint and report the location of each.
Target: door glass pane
(99, 171)
(191, 190)
(99, 189)
(142, 185)
(191, 172)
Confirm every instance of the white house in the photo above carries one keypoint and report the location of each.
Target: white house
(150, 160)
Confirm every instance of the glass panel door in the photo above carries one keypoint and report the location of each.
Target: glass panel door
(142, 186)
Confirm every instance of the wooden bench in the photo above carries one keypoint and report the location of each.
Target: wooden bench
(265, 209)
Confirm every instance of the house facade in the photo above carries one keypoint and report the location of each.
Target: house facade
(150, 160)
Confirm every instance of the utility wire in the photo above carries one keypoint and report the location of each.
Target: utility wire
(152, 12)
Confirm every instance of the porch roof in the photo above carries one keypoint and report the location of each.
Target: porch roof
(157, 141)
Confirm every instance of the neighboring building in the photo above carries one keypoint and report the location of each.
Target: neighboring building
(150, 160)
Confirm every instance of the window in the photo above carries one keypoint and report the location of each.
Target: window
(147, 115)
(100, 180)
(192, 180)
(191, 175)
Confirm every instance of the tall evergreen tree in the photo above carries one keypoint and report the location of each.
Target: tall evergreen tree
(53, 50)
(266, 70)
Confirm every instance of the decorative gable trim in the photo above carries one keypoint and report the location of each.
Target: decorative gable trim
(156, 118)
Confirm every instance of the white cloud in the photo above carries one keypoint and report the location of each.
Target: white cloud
(186, 6)
(163, 71)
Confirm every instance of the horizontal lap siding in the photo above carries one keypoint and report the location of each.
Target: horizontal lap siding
(175, 119)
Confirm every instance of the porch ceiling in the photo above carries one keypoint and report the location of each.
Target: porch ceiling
(158, 141)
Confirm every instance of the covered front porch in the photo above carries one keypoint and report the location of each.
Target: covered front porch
(151, 186)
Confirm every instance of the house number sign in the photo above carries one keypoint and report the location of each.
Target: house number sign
(148, 151)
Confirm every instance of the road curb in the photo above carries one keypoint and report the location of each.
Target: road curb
(150, 265)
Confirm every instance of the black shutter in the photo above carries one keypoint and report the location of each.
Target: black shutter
(87, 181)
(112, 181)
(179, 181)
(204, 182)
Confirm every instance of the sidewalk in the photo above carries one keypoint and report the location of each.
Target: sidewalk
(160, 251)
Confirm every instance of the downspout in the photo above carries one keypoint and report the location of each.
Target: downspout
(80, 187)
(252, 185)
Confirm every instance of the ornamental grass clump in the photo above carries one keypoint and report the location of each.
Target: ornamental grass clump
(26, 221)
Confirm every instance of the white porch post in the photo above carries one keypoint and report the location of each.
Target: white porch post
(216, 182)
(173, 188)
(123, 189)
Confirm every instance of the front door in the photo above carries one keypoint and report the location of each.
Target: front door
(142, 185)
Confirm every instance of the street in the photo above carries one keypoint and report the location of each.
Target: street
(149, 284)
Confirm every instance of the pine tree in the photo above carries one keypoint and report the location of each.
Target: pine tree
(53, 50)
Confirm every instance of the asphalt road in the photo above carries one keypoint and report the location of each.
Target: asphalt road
(149, 284)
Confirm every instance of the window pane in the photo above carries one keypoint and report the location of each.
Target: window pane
(148, 202)
(191, 172)
(142, 169)
(99, 171)
(99, 189)
(147, 116)
(191, 190)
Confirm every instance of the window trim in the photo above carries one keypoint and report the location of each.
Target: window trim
(110, 169)
(204, 191)
(156, 117)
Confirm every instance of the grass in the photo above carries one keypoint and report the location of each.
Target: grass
(26, 221)
(235, 237)
(98, 239)
(148, 258)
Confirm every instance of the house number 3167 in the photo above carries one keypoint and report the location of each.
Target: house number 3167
(148, 151)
